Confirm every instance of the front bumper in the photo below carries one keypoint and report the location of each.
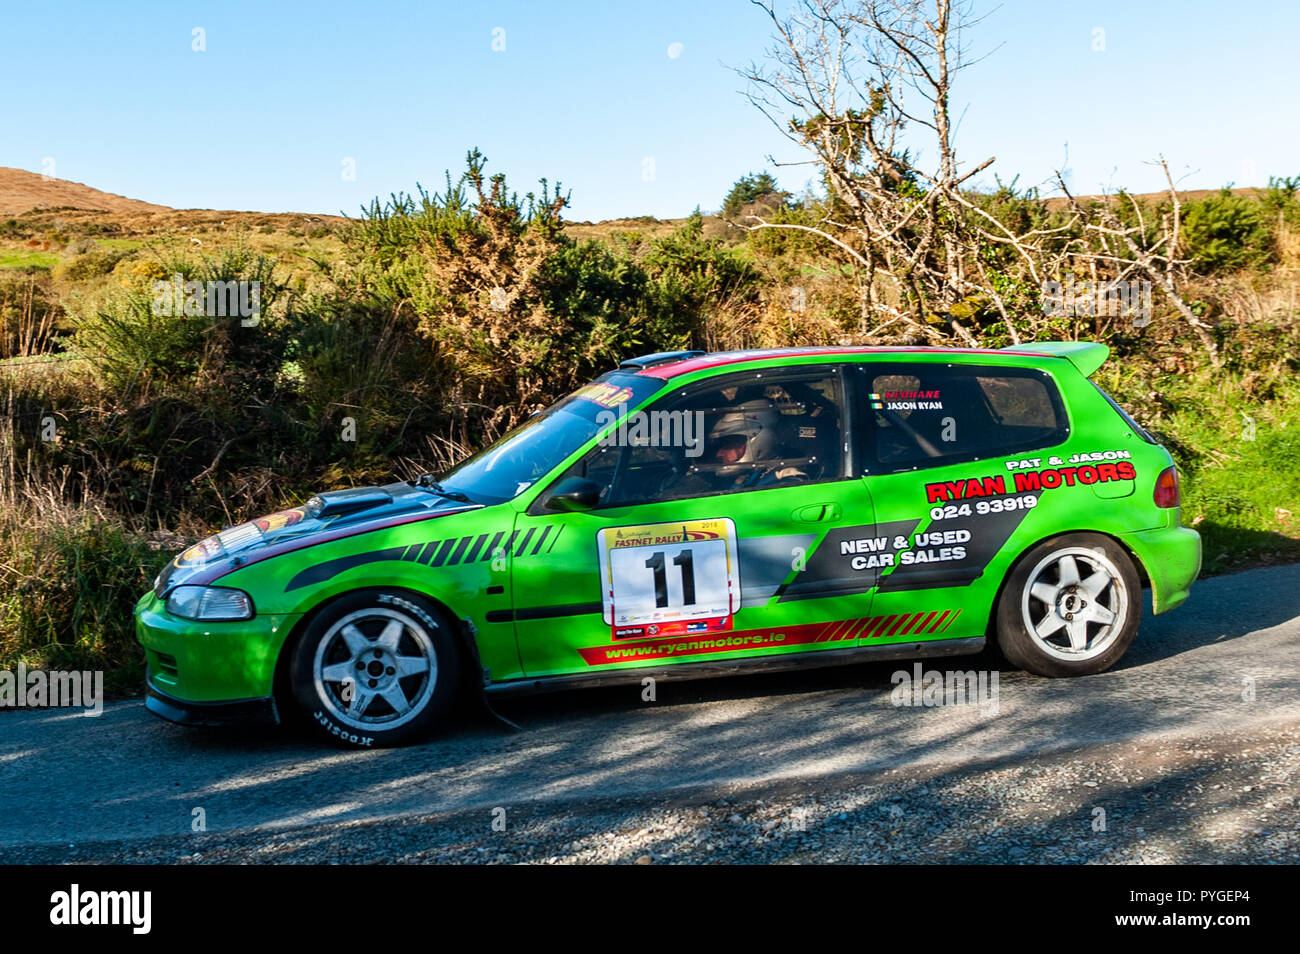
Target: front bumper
(210, 662)
(234, 712)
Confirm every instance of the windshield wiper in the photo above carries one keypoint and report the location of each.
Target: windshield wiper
(428, 482)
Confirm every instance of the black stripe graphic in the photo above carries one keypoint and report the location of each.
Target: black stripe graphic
(542, 539)
(542, 612)
(441, 556)
(331, 568)
(460, 550)
(491, 547)
(473, 551)
(510, 542)
(524, 545)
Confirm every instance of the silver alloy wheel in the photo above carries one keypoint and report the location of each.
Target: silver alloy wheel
(1075, 603)
(375, 668)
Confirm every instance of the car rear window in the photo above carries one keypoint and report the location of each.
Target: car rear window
(925, 415)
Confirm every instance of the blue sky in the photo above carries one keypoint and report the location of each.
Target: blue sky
(586, 92)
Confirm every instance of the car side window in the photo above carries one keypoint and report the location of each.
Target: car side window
(927, 415)
(736, 433)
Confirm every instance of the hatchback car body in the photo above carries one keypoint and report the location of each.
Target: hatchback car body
(692, 514)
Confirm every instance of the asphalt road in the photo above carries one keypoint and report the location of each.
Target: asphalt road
(66, 779)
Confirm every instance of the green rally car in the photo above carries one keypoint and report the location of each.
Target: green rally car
(693, 514)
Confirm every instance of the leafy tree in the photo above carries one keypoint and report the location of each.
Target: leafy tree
(750, 188)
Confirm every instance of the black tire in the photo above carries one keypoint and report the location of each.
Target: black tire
(1052, 622)
(393, 646)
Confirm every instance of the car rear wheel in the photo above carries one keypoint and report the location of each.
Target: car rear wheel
(1070, 607)
(376, 668)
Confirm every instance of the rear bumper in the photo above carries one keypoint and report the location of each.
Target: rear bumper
(234, 712)
(1172, 558)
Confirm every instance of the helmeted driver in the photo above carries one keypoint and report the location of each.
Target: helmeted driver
(742, 448)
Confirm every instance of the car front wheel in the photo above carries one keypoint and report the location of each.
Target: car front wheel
(376, 668)
(1070, 607)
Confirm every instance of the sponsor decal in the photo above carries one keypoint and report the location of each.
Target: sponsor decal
(828, 572)
(280, 519)
(907, 401)
(662, 533)
(606, 394)
(677, 628)
(241, 537)
(870, 553)
(895, 626)
(1028, 475)
(953, 549)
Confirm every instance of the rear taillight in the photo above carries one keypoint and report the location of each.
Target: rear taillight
(1166, 492)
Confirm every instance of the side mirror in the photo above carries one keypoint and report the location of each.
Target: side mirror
(574, 493)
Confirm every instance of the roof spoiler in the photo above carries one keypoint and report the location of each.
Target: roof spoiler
(1087, 356)
(658, 358)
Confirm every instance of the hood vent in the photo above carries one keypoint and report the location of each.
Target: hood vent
(337, 502)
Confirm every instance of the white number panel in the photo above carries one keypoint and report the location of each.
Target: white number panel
(668, 579)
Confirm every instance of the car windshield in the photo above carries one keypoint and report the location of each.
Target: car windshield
(531, 451)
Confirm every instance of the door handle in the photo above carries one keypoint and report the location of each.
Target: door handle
(816, 512)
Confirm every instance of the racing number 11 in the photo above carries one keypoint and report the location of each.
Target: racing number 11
(686, 561)
(638, 573)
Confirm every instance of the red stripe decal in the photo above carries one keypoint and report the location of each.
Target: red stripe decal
(926, 622)
(878, 631)
(910, 623)
(896, 625)
(828, 632)
(866, 625)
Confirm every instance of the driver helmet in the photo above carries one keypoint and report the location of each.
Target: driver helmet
(753, 427)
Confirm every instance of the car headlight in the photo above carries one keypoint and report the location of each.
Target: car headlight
(210, 603)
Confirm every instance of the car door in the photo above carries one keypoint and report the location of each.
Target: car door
(941, 444)
(694, 551)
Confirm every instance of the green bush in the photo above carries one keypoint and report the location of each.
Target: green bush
(690, 277)
(516, 313)
(1280, 202)
(91, 264)
(1224, 232)
(169, 334)
(366, 362)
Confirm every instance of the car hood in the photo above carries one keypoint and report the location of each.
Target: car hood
(327, 516)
